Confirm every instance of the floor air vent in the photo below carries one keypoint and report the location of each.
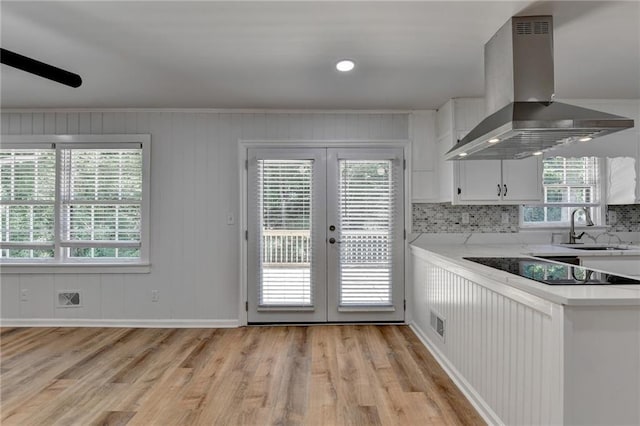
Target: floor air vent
(68, 299)
(437, 323)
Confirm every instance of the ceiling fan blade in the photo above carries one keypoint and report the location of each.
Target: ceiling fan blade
(32, 66)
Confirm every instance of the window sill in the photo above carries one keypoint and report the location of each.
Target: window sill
(563, 227)
(78, 268)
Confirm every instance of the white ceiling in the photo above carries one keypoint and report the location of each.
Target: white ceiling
(282, 54)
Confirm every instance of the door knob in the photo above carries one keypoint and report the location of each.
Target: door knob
(332, 228)
(333, 241)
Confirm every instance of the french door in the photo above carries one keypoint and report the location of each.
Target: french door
(325, 235)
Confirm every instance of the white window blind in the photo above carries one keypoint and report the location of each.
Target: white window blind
(101, 199)
(567, 183)
(285, 204)
(77, 200)
(27, 179)
(366, 197)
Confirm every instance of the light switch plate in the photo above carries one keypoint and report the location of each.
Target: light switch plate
(505, 218)
(465, 218)
(231, 219)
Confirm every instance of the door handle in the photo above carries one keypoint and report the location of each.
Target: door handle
(333, 241)
(499, 190)
(505, 190)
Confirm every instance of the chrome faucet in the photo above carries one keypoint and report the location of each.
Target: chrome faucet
(572, 229)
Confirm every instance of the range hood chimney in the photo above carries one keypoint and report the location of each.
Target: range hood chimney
(522, 118)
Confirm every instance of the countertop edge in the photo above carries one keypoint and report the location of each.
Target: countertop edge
(523, 286)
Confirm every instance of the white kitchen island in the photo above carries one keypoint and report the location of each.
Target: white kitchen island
(525, 352)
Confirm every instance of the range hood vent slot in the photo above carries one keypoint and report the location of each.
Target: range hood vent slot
(532, 27)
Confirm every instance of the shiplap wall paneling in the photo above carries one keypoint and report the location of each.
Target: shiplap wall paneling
(194, 185)
(10, 297)
(505, 350)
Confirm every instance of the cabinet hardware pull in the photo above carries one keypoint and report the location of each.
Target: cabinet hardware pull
(499, 190)
(505, 189)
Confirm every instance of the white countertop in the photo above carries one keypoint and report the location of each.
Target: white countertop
(586, 295)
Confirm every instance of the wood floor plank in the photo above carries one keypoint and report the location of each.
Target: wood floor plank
(289, 375)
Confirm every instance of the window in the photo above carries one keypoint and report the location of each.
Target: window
(81, 200)
(567, 183)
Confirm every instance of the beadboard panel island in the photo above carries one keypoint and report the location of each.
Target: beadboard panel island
(523, 353)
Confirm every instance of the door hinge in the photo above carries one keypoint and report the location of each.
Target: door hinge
(459, 191)
(246, 164)
(404, 304)
(405, 234)
(404, 164)
(246, 306)
(246, 235)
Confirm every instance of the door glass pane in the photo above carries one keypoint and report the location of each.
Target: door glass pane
(366, 193)
(284, 206)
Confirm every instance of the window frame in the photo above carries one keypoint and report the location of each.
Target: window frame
(61, 263)
(598, 208)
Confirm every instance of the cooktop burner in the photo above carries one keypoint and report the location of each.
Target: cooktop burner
(551, 273)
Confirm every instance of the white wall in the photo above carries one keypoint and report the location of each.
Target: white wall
(194, 184)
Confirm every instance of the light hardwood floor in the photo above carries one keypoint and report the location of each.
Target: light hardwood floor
(319, 375)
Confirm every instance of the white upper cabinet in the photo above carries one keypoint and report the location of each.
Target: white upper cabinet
(499, 181)
(522, 180)
(478, 181)
(621, 180)
(481, 181)
(424, 174)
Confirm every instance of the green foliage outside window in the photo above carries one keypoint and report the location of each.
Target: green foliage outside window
(99, 197)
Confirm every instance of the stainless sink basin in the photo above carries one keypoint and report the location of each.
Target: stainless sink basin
(592, 247)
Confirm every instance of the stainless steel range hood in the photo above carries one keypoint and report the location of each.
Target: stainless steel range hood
(522, 118)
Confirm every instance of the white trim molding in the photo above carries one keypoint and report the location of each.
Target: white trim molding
(119, 323)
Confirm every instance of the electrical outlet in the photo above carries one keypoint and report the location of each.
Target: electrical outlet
(24, 295)
(465, 218)
(505, 218)
(613, 217)
(155, 295)
(231, 220)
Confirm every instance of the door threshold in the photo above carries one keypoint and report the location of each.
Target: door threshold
(326, 323)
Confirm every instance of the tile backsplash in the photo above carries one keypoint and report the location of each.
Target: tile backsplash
(627, 218)
(445, 218)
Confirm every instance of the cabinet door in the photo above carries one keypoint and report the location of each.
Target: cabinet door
(521, 180)
(479, 181)
(621, 180)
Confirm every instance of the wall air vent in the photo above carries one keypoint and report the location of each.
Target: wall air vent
(437, 323)
(68, 299)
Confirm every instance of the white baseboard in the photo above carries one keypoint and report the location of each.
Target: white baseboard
(476, 400)
(120, 323)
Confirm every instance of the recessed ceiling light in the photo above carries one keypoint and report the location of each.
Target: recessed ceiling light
(494, 140)
(537, 153)
(462, 154)
(585, 139)
(345, 65)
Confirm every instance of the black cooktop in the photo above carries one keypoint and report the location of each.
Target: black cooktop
(551, 273)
